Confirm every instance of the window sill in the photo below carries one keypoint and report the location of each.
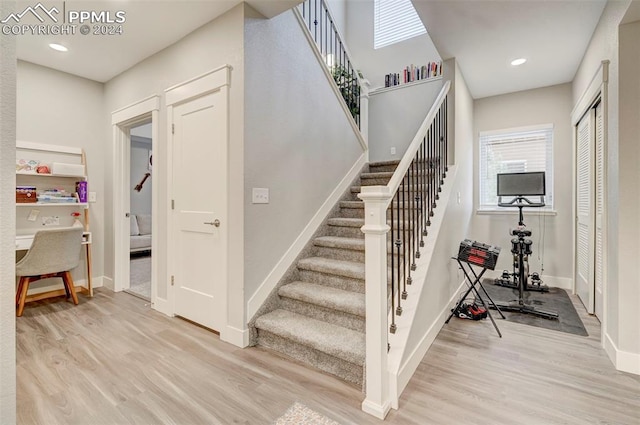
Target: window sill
(514, 211)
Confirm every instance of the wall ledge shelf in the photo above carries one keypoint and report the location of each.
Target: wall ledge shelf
(404, 85)
(52, 204)
(52, 175)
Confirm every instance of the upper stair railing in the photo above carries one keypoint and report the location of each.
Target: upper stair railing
(405, 207)
(324, 32)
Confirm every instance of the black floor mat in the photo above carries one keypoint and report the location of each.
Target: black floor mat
(555, 300)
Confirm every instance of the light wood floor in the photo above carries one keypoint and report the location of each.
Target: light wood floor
(112, 360)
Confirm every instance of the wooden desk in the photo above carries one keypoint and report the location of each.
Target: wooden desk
(23, 242)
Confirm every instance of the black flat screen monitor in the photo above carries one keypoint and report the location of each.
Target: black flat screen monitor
(521, 184)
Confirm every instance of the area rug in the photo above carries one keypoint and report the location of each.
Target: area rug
(555, 300)
(299, 414)
(140, 277)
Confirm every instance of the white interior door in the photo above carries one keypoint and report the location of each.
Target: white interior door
(599, 209)
(585, 215)
(199, 214)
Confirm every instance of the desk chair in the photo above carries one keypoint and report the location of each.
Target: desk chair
(53, 253)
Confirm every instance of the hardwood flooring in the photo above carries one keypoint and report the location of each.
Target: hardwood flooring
(113, 360)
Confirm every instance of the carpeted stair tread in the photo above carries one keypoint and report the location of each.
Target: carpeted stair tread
(325, 296)
(346, 222)
(377, 175)
(353, 244)
(334, 267)
(343, 343)
(384, 163)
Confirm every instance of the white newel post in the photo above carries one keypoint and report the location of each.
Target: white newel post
(375, 229)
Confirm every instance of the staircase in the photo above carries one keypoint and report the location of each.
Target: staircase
(319, 317)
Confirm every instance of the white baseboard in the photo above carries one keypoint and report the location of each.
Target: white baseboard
(162, 305)
(34, 289)
(624, 361)
(565, 283)
(265, 288)
(108, 283)
(379, 411)
(413, 361)
(235, 336)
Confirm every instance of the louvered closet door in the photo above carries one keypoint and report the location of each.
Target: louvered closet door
(584, 209)
(599, 209)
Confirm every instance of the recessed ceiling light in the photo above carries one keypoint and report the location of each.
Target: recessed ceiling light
(518, 61)
(58, 47)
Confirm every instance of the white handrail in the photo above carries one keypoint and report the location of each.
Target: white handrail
(410, 154)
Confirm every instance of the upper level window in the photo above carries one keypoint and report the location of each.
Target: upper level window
(395, 21)
(517, 150)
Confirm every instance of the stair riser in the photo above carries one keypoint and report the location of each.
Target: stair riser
(382, 168)
(339, 254)
(359, 213)
(344, 283)
(333, 365)
(324, 314)
(344, 254)
(374, 181)
(345, 232)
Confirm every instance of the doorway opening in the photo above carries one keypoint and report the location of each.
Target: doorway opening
(140, 208)
(135, 137)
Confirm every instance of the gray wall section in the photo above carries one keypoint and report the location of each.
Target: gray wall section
(62, 109)
(375, 63)
(552, 235)
(7, 223)
(443, 280)
(604, 45)
(298, 140)
(395, 116)
(629, 210)
(217, 43)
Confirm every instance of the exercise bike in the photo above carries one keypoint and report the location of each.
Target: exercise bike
(520, 185)
(521, 248)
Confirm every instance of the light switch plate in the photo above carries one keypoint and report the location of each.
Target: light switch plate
(260, 195)
(92, 197)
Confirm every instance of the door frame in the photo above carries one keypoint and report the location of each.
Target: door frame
(122, 120)
(597, 90)
(215, 80)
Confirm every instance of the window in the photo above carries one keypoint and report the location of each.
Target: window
(395, 21)
(514, 151)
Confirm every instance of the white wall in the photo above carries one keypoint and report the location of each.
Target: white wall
(7, 223)
(552, 235)
(140, 202)
(395, 115)
(375, 63)
(298, 140)
(215, 44)
(61, 109)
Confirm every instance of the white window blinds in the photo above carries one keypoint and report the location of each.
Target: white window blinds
(514, 151)
(395, 20)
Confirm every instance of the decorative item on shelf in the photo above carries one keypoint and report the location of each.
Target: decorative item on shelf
(26, 166)
(26, 194)
(43, 169)
(61, 168)
(76, 219)
(59, 196)
(413, 73)
(81, 190)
